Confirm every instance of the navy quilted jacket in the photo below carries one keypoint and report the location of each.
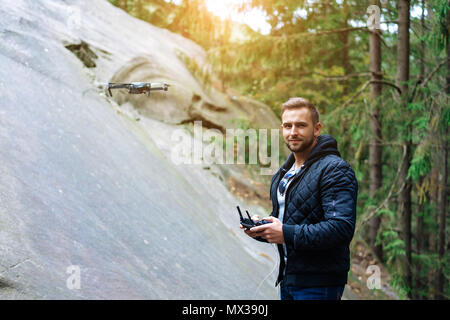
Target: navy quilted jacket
(319, 218)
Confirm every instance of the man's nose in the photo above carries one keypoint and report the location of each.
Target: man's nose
(293, 130)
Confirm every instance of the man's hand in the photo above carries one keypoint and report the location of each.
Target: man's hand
(272, 232)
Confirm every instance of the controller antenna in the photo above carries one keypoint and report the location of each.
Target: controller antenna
(240, 214)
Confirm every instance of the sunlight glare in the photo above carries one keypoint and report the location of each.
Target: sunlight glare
(228, 9)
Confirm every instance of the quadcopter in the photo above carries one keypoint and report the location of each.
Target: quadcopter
(138, 87)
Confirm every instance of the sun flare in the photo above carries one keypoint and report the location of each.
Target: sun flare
(228, 9)
(223, 8)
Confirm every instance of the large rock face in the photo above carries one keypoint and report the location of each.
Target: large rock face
(188, 100)
(85, 190)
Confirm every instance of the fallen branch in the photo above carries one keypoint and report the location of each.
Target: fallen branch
(388, 84)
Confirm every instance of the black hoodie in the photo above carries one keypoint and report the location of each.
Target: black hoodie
(326, 144)
(319, 218)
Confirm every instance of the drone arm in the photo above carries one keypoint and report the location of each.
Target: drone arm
(158, 86)
(118, 85)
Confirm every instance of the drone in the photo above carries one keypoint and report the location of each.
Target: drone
(138, 87)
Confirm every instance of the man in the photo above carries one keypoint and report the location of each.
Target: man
(314, 197)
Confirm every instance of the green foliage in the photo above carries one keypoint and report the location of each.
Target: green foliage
(421, 162)
(387, 212)
(394, 247)
(440, 35)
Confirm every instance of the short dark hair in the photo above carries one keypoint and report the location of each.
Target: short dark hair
(297, 103)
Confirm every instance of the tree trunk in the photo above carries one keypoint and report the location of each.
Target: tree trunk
(442, 216)
(404, 199)
(434, 192)
(421, 208)
(375, 149)
(420, 245)
(443, 202)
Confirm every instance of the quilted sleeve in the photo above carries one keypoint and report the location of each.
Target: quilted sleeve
(339, 190)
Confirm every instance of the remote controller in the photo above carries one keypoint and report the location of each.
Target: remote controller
(248, 222)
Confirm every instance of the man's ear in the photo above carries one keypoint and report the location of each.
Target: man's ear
(317, 129)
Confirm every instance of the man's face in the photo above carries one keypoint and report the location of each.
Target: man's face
(298, 130)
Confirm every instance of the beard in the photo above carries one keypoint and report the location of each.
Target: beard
(302, 146)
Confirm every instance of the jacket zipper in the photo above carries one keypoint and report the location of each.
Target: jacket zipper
(276, 189)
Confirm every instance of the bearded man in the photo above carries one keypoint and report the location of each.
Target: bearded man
(314, 196)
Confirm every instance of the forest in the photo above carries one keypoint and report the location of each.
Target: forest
(379, 73)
